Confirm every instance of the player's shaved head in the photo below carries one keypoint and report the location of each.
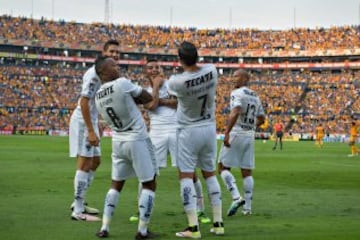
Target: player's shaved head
(241, 78)
(242, 73)
(106, 68)
(100, 64)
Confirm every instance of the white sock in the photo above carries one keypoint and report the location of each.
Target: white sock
(91, 176)
(146, 203)
(214, 191)
(199, 196)
(111, 201)
(80, 186)
(248, 189)
(230, 184)
(139, 194)
(188, 197)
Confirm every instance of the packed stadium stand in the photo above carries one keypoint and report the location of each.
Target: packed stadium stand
(303, 76)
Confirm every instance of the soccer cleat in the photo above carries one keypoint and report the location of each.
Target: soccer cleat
(203, 218)
(246, 212)
(149, 235)
(91, 210)
(190, 232)
(234, 206)
(218, 229)
(134, 218)
(102, 234)
(87, 209)
(78, 217)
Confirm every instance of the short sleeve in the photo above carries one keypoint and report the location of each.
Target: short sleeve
(235, 100)
(171, 86)
(127, 86)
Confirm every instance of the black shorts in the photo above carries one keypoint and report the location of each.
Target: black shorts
(279, 134)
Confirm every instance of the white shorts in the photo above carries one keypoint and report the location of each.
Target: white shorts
(133, 158)
(241, 152)
(196, 148)
(164, 142)
(78, 139)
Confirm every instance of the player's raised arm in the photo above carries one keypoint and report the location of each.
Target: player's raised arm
(144, 97)
(156, 84)
(169, 102)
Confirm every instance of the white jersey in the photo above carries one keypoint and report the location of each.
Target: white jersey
(91, 83)
(251, 108)
(163, 117)
(196, 93)
(114, 101)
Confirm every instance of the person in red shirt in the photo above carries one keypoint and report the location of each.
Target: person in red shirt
(279, 132)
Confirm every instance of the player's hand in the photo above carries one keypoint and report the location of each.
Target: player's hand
(227, 140)
(93, 139)
(158, 80)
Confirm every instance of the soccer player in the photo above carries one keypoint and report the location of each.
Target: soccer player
(319, 133)
(353, 137)
(162, 114)
(84, 138)
(132, 150)
(195, 90)
(246, 114)
(279, 132)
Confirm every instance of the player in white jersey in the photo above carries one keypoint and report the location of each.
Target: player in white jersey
(246, 115)
(195, 90)
(84, 138)
(162, 115)
(132, 150)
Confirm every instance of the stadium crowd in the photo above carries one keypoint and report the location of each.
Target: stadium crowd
(344, 37)
(43, 96)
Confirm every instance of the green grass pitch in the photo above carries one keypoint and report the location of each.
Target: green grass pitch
(302, 192)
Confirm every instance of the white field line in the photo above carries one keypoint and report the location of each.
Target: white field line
(338, 164)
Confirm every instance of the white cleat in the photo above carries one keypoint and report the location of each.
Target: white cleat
(78, 217)
(189, 233)
(91, 210)
(87, 209)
